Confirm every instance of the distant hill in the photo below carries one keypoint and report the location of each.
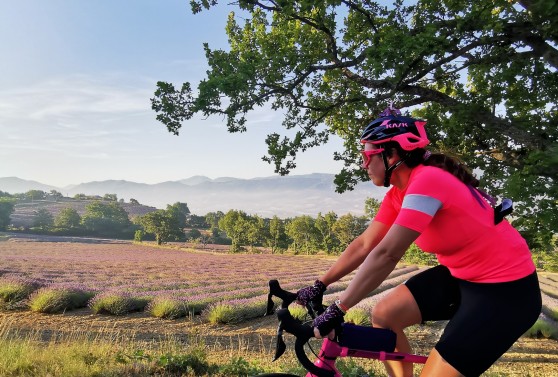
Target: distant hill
(267, 196)
(14, 185)
(24, 213)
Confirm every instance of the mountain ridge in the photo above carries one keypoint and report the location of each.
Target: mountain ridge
(284, 196)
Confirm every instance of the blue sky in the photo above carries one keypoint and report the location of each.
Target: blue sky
(75, 87)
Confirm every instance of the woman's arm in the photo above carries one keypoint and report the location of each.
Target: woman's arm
(378, 264)
(356, 252)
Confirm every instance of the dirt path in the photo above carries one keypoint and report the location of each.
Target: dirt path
(528, 357)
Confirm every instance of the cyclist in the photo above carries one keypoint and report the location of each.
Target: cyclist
(485, 284)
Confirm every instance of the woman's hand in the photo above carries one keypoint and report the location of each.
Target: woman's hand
(313, 293)
(326, 323)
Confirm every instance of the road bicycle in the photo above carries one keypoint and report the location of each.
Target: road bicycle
(351, 340)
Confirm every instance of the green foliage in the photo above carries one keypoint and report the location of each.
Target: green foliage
(167, 307)
(221, 313)
(43, 219)
(35, 195)
(303, 233)
(7, 206)
(116, 303)
(348, 227)
(298, 311)
(193, 363)
(371, 207)
(58, 300)
(67, 218)
(106, 219)
(358, 317)
(236, 225)
(139, 235)
(414, 255)
(543, 329)
(482, 74)
(166, 225)
(13, 291)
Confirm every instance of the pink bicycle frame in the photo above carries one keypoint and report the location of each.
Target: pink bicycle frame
(330, 351)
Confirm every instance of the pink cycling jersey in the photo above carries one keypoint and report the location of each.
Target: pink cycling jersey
(457, 225)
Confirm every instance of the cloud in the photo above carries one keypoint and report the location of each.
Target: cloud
(73, 96)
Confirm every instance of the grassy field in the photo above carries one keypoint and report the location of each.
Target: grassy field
(80, 342)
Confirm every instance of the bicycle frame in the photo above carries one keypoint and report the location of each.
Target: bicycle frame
(331, 350)
(351, 345)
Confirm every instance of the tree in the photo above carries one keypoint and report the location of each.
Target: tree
(303, 233)
(67, 218)
(212, 219)
(164, 224)
(277, 239)
(483, 73)
(56, 195)
(371, 207)
(324, 225)
(35, 194)
(7, 207)
(43, 219)
(348, 227)
(180, 212)
(106, 219)
(110, 197)
(254, 231)
(235, 224)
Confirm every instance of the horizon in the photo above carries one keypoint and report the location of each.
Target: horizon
(177, 180)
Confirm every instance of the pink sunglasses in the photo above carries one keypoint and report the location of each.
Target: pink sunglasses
(366, 156)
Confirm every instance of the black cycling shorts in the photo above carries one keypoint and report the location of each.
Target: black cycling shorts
(485, 318)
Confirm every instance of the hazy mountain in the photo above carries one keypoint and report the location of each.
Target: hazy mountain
(14, 185)
(267, 196)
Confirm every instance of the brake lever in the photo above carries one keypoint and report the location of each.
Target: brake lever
(280, 345)
(270, 305)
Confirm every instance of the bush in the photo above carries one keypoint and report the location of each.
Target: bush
(220, 313)
(58, 300)
(116, 303)
(542, 329)
(13, 291)
(167, 307)
(358, 316)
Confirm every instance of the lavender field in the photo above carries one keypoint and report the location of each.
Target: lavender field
(199, 282)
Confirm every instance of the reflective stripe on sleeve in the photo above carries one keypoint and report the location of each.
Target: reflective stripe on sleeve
(421, 203)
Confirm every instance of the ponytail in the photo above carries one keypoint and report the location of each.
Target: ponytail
(422, 156)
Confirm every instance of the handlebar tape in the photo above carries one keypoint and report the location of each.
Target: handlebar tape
(302, 333)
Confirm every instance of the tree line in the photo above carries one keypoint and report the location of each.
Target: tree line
(327, 233)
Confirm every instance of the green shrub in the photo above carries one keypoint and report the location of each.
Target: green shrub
(13, 291)
(58, 300)
(542, 329)
(167, 307)
(299, 312)
(358, 316)
(116, 303)
(221, 312)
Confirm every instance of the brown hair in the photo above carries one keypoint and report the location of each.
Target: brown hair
(450, 164)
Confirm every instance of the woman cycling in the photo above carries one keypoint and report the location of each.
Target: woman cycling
(485, 284)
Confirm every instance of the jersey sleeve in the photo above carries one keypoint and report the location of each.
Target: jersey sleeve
(423, 199)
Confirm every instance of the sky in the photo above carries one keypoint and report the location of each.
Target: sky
(76, 79)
